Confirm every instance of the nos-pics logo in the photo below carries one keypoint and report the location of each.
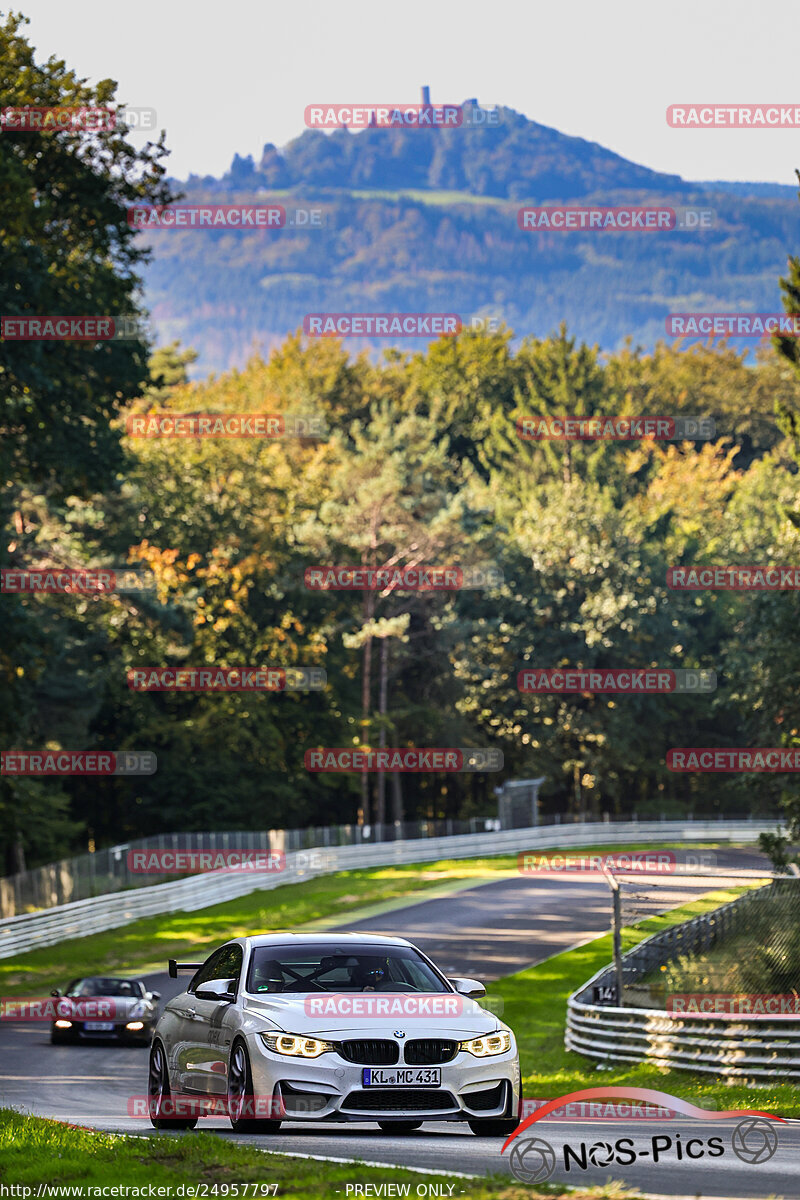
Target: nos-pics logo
(753, 1141)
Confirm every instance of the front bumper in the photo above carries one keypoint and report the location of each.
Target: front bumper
(330, 1088)
(78, 1033)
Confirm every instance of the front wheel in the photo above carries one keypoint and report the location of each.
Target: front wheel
(158, 1094)
(499, 1127)
(241, 1103)
(399, 1126)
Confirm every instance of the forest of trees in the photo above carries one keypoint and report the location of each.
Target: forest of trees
(422, 463)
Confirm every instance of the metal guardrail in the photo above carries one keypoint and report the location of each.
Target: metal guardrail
(84, 876)
(741, 1047)
(101, 913)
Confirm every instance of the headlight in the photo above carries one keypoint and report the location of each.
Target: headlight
(491, 1043)
(296, 1046)
(138, 1010)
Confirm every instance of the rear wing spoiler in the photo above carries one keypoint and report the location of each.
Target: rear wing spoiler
(175, 966)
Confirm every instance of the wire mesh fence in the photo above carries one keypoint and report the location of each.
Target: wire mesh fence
(728, 961)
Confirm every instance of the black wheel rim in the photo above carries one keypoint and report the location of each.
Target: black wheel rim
(156, 1081)
(237, 1083)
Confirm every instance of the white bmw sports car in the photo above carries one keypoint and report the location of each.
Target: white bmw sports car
(330, 1027)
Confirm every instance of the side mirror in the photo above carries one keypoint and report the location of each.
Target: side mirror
(469, 987)
(154, 995)
(55, 992)
(217, 989)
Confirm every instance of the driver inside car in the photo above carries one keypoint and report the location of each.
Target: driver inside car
(367, 975)
(268, 977)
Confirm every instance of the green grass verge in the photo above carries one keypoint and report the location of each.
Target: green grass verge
(146, 944)
(535, 1006)
(149, 942)
(34, 1151)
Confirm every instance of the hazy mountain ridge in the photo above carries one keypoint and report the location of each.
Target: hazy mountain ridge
(515, 159)
(454, 244)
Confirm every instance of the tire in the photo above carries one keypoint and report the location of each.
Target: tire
(399, 1126)
(158, 1093)
(496, 1127)
(240, 1094)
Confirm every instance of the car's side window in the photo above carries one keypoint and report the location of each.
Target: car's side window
(223, 964)
(230, 964)
(206, 972)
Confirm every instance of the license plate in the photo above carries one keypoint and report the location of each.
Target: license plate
(98, 1026)
(401, 1077)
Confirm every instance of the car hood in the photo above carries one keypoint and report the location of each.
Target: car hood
(364, 1017)
(119, 1006)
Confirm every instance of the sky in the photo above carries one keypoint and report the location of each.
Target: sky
(228, 78)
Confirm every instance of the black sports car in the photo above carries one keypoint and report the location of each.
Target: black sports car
(100, 1007)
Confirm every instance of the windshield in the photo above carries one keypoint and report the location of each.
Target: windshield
(104, 987)
(303, 969)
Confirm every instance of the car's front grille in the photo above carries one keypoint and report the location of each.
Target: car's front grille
(398, 1100)
(370, 1052)
(484, 1101)
(427, 1052)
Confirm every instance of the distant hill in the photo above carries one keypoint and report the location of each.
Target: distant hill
(425, 221)
(515, 159)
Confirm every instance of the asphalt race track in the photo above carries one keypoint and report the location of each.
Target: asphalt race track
(486, 931)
